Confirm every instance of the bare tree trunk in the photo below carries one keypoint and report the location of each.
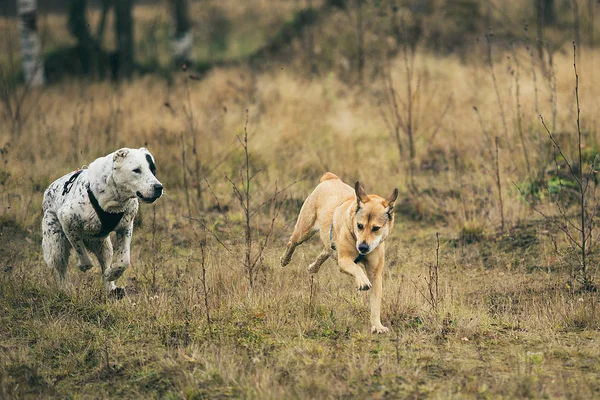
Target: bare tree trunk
(106, 4)
(546, 9)
(590, 5)
(33, 62)
(360, 41)
(80, 29)
(181, 45)
(546, 15)
(124, 36)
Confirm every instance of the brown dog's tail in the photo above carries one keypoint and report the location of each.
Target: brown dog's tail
(327, 176)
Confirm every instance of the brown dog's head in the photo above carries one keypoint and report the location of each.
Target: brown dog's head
(374, 219)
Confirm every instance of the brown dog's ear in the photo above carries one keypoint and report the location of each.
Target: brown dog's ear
(391, 199)
(389, 204)
(120, 154)
(361, 196)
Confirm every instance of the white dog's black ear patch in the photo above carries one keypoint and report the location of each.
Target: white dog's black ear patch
(150, 160)
(151, 164)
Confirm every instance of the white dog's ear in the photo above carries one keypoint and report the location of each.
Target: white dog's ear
(361, 196)
(145, 150)
(120, 155)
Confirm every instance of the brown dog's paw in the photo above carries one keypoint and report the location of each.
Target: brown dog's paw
(379, 329)
(117, 293)
(285, 259)
(363, 283)
(314, 268)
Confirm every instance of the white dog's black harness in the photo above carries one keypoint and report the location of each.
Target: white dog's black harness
(108, 221)
(68, 184)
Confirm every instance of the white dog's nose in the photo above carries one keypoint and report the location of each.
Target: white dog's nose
(158, 188)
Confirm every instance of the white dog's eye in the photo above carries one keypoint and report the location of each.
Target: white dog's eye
(137, 171)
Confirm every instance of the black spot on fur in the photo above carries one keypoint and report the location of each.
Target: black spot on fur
(151, 163)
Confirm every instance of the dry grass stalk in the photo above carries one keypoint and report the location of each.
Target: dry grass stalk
(583, 239)
(432, 296)
(205, 289)
(490, 59)
(524, 143)
(408, 113)
(499, 184)
(192, 131)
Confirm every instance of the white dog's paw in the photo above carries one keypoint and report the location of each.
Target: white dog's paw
(84, 267)
(117, 293)
(378, 328)
(114, 273)
(363, 283)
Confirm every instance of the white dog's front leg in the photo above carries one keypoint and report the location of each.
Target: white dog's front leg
(122, 255)
(84, 262)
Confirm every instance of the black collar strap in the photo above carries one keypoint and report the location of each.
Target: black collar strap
(361, 257)
(108, 220)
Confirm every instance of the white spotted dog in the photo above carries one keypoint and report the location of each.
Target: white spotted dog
(83, 207)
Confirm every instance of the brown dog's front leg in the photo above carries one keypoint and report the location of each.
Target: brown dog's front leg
(375, 273)
(348, 266)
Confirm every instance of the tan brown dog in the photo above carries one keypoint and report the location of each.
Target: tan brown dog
(353, 223)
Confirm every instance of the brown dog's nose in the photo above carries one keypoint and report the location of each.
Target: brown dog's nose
(363, 247)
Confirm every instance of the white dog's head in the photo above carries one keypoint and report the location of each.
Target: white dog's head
(134, 171)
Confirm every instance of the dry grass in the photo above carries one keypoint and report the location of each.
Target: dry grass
(509, 324)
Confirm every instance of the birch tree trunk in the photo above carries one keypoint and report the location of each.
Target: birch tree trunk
(33, 63)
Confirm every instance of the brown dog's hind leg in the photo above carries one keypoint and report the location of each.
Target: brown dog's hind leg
(303, 230)
(296, 240)
(316, 265)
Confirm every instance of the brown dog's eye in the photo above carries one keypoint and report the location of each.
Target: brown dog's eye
(376, 228)
(360, 227)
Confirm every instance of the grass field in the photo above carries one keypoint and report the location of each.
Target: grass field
(510, 319)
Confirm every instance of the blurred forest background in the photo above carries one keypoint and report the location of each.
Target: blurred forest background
(485, 114)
